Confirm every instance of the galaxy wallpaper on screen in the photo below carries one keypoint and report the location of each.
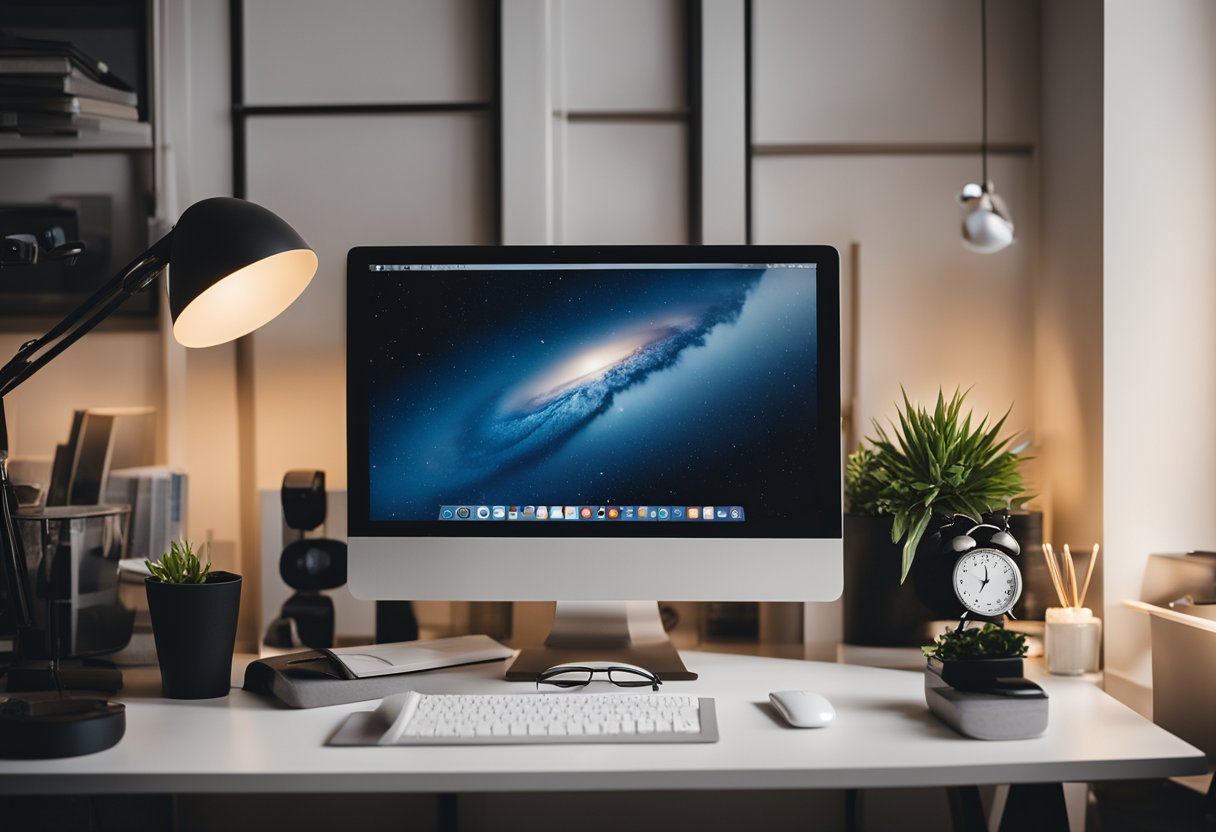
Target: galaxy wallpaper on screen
(623, 386)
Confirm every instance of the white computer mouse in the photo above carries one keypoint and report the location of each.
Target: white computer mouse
(803, 708)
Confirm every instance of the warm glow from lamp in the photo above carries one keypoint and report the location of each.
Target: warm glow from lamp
(244, 300)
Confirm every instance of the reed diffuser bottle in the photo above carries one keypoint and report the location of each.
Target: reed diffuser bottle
(1072, 634)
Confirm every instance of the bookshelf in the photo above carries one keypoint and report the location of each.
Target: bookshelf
(111, 172)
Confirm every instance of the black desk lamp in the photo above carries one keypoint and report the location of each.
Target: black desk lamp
(235, 267)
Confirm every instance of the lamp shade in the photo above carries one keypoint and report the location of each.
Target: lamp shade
(987, 227)
(233, 266)
(986, 232)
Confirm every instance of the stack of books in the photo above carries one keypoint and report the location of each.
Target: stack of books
(51, 88)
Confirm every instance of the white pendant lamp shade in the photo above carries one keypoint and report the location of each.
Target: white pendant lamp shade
(987, 227)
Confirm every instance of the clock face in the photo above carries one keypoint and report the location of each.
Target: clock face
(987, 582)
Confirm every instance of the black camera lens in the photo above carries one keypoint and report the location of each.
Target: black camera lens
(463, 512)
(314, 562)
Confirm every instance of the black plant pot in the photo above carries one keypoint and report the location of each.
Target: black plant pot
(976, 674)
(878, 610)
(195, 630)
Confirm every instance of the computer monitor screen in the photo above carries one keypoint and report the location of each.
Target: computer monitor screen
(661, 393)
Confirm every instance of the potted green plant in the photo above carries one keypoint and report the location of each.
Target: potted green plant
(902, 486)
(974, 658)
(194, 616)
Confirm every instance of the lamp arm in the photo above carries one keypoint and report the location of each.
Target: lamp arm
(35, 354)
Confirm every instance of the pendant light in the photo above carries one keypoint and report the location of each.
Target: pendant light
(987, 226)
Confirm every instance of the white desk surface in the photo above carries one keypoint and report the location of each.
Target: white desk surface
(883, 736)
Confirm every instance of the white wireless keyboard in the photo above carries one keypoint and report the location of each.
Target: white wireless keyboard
(519, 718)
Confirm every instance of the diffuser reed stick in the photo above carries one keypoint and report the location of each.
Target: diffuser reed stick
(1064, 575)
(1072, 577)
(1089, 572)
(1053, 568)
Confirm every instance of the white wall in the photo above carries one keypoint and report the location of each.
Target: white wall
(1159, 302)
(621, 133)
(867, 71)
(626, 55)
(1068, 310)
(365, 51)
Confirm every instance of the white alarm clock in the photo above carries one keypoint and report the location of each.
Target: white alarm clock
(987, 581)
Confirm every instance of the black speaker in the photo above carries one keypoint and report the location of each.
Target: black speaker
(303, 498)
(313, 563)
(307, 565)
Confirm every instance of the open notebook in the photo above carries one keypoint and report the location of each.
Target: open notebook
(411, 656)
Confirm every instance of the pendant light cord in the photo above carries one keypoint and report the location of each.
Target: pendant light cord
(984, 90)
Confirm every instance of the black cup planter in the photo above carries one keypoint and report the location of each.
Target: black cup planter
(195, 630)
(975, 674)
(878, 611)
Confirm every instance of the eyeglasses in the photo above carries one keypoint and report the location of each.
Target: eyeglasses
(576, 676)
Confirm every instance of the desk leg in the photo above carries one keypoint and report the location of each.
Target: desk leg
(1209, 808)
(447, 812)
(852, 810)
(1035, 807)
(966, 809)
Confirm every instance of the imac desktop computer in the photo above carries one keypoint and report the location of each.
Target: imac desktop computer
(604, 427)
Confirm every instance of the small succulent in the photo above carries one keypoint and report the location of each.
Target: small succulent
(180, 565)
(987, 642)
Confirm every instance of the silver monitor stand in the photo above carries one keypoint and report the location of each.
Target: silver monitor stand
(619, 631)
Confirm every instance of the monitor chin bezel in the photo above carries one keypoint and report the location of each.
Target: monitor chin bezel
(596, 569)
